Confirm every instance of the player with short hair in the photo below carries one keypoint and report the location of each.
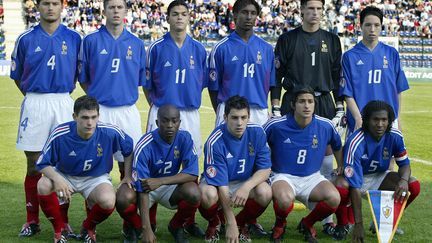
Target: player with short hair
(113, 67)
(236, 167)
(367, 155)
(44, 67)
(176, 74)
(309, 55)
(77, 158)
(242, 64)
(298, 143)
(165, 171)
(371, 71)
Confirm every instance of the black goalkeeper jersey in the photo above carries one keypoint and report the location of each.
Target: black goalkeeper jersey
(313, 59)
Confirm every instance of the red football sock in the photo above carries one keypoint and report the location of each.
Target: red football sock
(281, 214)
(191, 220)
(51, 208)
(96, 216)
(32, 202)
(414, 189)
(342, 210)
(320, 212)
(211, 214)
(130, 215)
(185, 210)
(64, 212)
(251, 210)
(152, 214)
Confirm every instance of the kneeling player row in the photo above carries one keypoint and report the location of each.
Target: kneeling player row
(239, 158)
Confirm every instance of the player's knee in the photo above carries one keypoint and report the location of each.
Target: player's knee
(107, 201)
(284, 199)
(125, 196)
(341, 182)
(191, 192)
(263, 194)
(44, 186)
(209, 196)
(333, 199)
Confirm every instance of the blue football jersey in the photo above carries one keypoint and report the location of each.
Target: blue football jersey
(175, 75)
(227, 158)
(372, 75)
(364, 155)
(154, 158)
(46, 63)
(70, 154)
(300, 151)
(112, 68)
(240, 68)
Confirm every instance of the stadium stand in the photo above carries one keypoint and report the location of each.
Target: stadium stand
(211, 20)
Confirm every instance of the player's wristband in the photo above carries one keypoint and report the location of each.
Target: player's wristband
(339, 108)
(404, 179)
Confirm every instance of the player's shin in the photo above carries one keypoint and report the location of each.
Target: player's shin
(97, 215)
(281, 213)
(32, 203)
(342, 210)
(185, 210)
(51, 208)
(210, 214)
(130, 216)
(321, 211)
(414, 189)
(251, 210)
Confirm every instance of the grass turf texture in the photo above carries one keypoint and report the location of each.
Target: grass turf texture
(417, 128)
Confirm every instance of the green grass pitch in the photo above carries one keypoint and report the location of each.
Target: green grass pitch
(417, 128)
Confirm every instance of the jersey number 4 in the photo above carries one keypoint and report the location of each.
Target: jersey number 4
(51, 62)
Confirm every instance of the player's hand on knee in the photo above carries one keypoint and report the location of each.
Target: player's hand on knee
(276, 111)
(151, 184)
(231, 233)
(401, 190)
(128, 181)
(358, 233)
(62, 188)
(240, 197)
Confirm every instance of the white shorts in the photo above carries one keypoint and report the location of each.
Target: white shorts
(302, 186)
(190, 121)
(373, 181)
(40, 114)
(85, 184)
(162, 196)
(257, 115)
(127, 118)
(233, 186)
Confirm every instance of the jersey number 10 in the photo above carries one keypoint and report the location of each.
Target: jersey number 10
(374, 76)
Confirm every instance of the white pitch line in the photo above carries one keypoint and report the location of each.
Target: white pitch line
(422, 161)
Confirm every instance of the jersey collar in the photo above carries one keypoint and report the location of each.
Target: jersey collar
(104, 29)
(58, 30)
(236, 36)
(168, 37)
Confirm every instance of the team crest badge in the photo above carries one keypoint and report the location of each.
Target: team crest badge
(315, 141)
(348, 171)
(192, 62)
(251, 149)
(176, 153)
(386, 211)
(211, 171)
(385, 62)
(13, 65)
(64, 48)
(385, 153)
(259, 58)
(99, 150)
(129, 53)
(324, 47)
